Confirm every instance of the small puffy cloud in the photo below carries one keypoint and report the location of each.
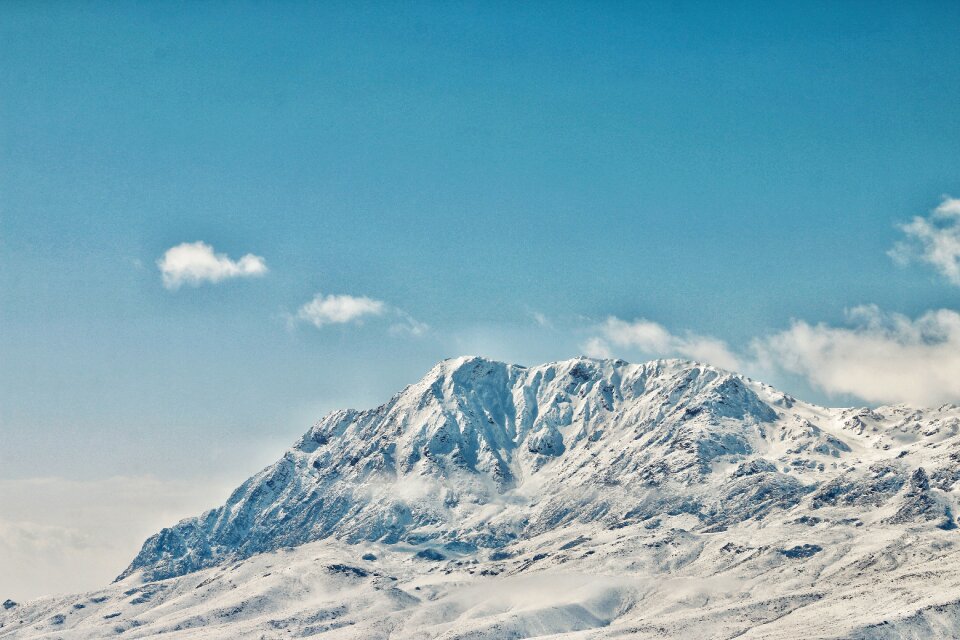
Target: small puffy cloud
(339, 309)
(653, 339)
(325, 310)
(879, 357)
(934, 239)
(195, 263)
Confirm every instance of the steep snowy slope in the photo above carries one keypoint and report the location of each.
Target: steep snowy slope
(591, 497)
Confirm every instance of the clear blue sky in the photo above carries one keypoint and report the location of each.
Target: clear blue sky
(720, 169)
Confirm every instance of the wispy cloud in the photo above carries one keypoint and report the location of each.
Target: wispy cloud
(541, 319)
(408, 325)
(195, 263)
(652, 339)
(596, 347)
(934, 239)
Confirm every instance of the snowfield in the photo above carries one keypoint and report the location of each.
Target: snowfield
(578, 499)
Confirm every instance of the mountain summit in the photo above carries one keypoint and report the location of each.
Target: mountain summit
(594, 498)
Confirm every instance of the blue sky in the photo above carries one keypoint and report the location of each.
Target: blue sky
(528, 181)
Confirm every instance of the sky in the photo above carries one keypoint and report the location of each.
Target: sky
(219, 221)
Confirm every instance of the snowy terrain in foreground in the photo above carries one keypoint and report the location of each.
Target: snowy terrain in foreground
(579, 499)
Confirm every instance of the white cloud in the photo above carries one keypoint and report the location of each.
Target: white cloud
(653, 339)
(339, 309)
(879, 357)
(194, 263)
(934, 239)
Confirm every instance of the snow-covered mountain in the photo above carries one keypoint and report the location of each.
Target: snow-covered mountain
(594, 498)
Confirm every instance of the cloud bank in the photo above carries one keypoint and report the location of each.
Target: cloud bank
(877, 356)
(934, 240)
(195, 263)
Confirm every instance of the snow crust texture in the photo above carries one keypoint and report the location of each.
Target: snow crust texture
(578, 499)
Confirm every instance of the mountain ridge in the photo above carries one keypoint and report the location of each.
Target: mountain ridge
(473, 431)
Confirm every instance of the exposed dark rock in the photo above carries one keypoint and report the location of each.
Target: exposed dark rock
(802, 551)
(347, 570)
(430, 554)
